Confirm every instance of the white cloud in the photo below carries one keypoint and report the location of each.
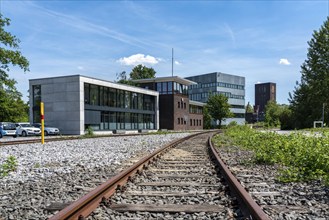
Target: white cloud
(81, 68)
(284, 62)
(177, 63)
(138, 59)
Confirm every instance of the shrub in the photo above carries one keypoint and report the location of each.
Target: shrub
(89, 132)
(9, 165)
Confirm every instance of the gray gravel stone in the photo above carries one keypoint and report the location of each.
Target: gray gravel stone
(63, 171)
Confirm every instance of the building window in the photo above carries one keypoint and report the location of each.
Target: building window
(149, 121)
(178, 104)
(127, 100)
(164, 87)
(178, 120)
(87, 95)
(159, 88)
(128, 121)
(134, 121)
(120, 99)
(200, 122)
(106, 96)
(120, 120)
(113, 121)
(36, 103)
(94, 95)
(134, 100)
(140, 101)
(101, 96)
(105, 119)
(112, 97)
(184, 105)
(148, 104)
(170, 87)
(190, 122)
(193, 122)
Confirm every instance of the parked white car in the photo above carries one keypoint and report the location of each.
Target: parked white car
(48, 129)
(24, 129)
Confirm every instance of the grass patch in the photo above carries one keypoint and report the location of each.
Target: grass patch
(9, 165)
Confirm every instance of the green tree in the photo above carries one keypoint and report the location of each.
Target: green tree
(123, 79)
(272, 114)
(12, 108)
(218, 108)
(249, 108)
(206, 118)
(313, 90)
(142, 72)
(286, 118)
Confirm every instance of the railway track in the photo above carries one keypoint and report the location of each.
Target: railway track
(32, 140)
(183, 180)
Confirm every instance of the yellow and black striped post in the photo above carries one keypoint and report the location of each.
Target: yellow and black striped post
(42, 123)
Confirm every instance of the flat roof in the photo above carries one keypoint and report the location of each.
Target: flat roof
(167, 79)
(101, 82)
(197, 103)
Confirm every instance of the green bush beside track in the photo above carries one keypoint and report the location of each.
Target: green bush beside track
(300, 157)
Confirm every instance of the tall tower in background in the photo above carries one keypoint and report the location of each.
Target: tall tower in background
(264, 92)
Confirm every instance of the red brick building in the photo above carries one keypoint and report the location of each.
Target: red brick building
(176, 111)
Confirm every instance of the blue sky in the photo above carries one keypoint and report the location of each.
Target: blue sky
(264, 41)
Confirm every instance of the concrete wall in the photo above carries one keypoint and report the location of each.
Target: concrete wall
(63, 103)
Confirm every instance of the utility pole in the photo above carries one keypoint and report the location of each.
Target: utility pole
(172, 61)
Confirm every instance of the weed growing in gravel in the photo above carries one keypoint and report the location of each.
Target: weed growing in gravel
(9, 165)
(302, 158)
(37, 165)
(89, 132)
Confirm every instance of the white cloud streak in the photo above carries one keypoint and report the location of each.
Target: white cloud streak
(284, 62)
(89, 27)
(177, 63)
(230, 32)
(139, 59)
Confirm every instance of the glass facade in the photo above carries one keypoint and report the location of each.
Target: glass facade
(119, 109)
(206, 95)
(218, 84)
(36, 103)
(171, 88)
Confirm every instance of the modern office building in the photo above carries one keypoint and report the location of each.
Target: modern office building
(231, 86)
(177, 111)
(264, 92)
(74, 103)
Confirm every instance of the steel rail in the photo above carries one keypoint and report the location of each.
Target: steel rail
(36, 140)
(66, 138)
(251, 207)
(82, 207)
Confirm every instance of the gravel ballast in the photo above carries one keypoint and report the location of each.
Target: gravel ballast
(61, 172)
(280, 201)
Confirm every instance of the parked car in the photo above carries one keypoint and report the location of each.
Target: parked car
(48, 129)
(25, 128)
(7, 129)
